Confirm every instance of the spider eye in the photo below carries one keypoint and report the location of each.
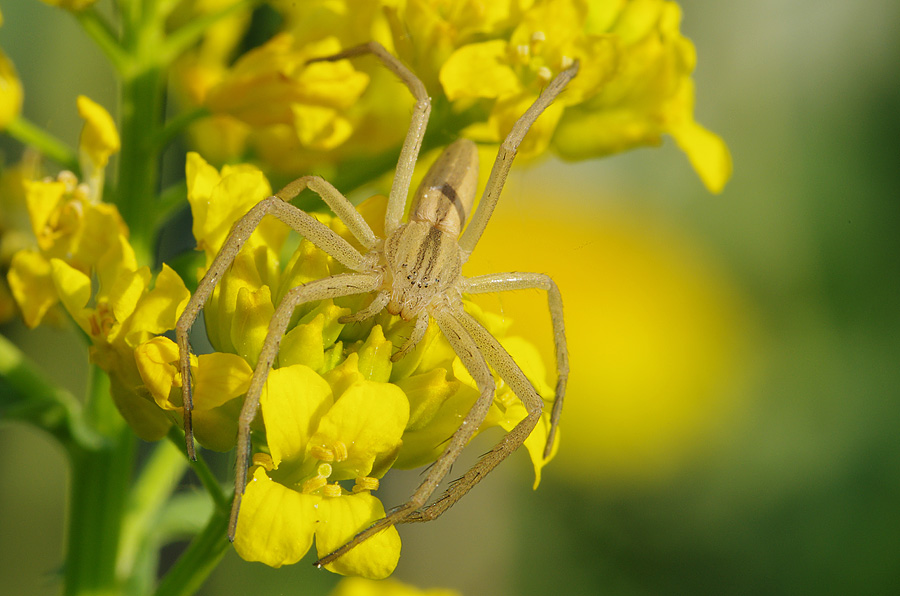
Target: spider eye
(409, 276)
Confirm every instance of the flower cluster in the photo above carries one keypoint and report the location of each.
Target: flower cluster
(488, 60)
(10, 90)
(335, 408)
(82, 260)
(336, 413)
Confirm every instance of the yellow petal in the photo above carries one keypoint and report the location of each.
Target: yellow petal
(32, 285)
(219, 378)
(303, 345)
(426, 392)
(158, 310)
(156, 362)
(320, 128)
(341, 518)
(99, 137)
(369, 418)
(74, 289)
(479, 70)
(276, 524)
(250, 323)
(708, 154)
(11, 94)
(293, 401)
(375, 357)
(43, 199)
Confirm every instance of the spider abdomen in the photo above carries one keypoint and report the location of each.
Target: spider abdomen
(446, 194)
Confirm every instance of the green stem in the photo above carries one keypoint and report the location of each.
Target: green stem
(98, 488)
(142, 115)
(30, 135)
(201, 469)
(198, 561)
(155, 484)
(27, 396)
(103, 35)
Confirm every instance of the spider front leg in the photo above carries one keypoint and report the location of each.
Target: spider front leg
(506, 154)
(503, 282)
(467, 350)
(336, 286)
(409, 153)
(304, 224)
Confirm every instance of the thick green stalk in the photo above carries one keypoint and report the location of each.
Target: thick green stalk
(136, 191)
(100, 478)
(198, 561)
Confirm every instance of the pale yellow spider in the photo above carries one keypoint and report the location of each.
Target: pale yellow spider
(415, 273)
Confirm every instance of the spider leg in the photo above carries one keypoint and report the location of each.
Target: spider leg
(502, 282)
(505, 156)
(344, 284)
(306, 225)
(467, 350)
(376, 306)
(410, 150)
(339, 204)
(415, 337)
(509, 371)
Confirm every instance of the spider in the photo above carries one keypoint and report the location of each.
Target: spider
(415, 272)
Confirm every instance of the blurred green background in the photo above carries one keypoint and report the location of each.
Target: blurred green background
(733, 414)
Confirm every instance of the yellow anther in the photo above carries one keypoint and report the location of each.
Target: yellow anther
(538, 36)
(324, 470)
(366, 483)
(264, 460)
(565, 62)
(523, 52)
(332, 490)
(314, 484)
(340, 451)
(69, 179)
(321, 453)
(544, 74)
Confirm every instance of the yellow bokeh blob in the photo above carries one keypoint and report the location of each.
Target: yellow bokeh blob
(658, 335)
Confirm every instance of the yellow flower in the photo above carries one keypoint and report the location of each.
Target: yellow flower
(84, 262)
(271, 88)
(99, 140)
(357, 586)
(659, 336)
(15, 227)
(70, 4)
(335, 408)
(68, 225)
(651, 93)
(10, 90)
(315, 440)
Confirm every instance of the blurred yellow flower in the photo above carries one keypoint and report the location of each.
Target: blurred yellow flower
(80, 241)
(70, 4)
(650, 94)
(659, 339)
(356, 586)
(11, 93)
(99, 140)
